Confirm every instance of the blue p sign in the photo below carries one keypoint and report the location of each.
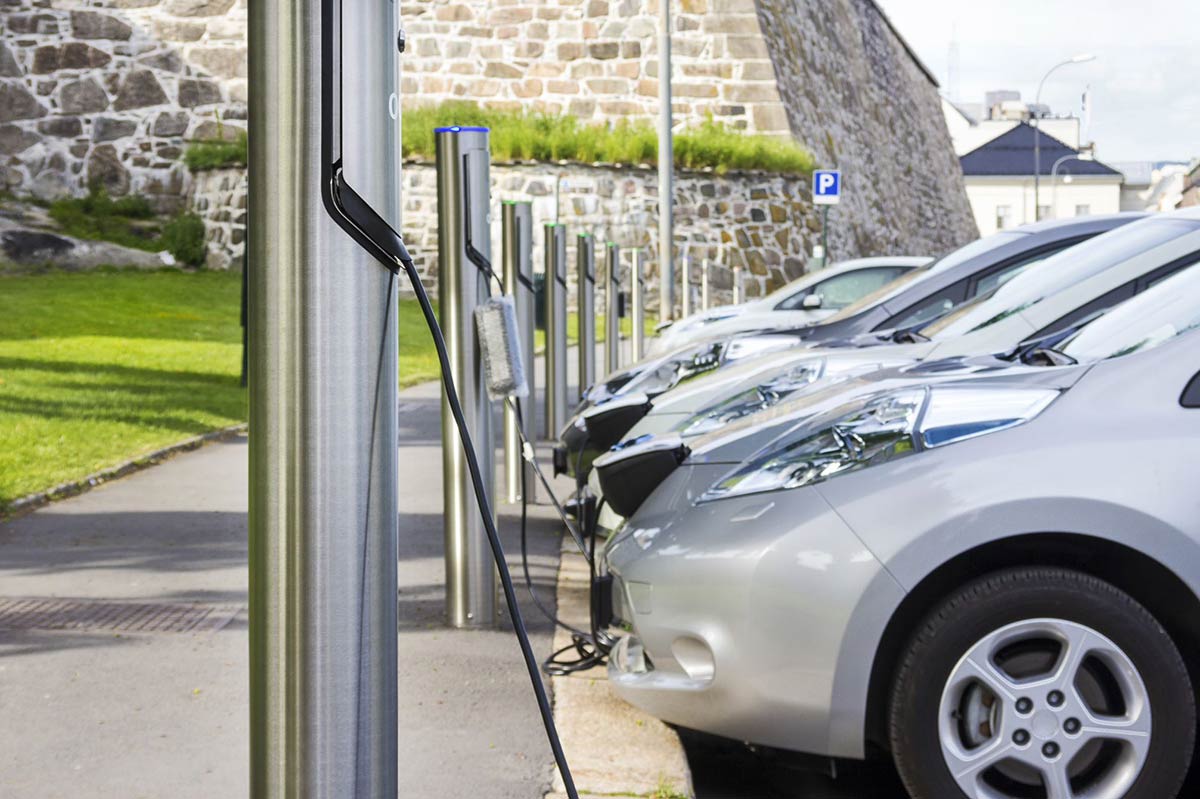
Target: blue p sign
(827, 186)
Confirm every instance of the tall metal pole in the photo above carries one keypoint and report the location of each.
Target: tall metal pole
(516, 222)
(638, 295)
(463, 207)
(685, 296)
(738, 294)
(705, 297)
(585, 258)
(666, 164)
(323, 455)
(556, 328)
(612, 321)
(1037, 127)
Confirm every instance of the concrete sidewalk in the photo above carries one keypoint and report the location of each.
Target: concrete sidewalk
(107, 711)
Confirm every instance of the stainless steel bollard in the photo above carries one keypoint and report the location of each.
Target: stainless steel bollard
(585, 260)
(556, 328)
(516, 233)
(612, 320)
(463, 218)
(705, 298)
(637, 283)
(738, 296)
(685, 288)
(324, 465)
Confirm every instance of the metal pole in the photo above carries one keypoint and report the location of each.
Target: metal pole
(585, 258)
(516, 222)
(737, 285)
(686, 288)
(705, 297)
(824, 235)
(323, 456)
(638, 291)
(612, 321)
(463, 216)
(666, 193)
(556, 328)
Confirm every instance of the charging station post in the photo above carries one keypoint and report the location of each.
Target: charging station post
(516, 235)
(585, 257)
(323, 383)
(637, 282)
(612, 306)
(704, 295)
(737, 285)
(556, 328)
(464, 234)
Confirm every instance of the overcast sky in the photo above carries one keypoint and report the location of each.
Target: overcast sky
(1145, 81)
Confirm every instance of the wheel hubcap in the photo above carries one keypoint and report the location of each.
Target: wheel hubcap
(1047, 709)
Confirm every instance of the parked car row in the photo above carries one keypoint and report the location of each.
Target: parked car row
(961, 530)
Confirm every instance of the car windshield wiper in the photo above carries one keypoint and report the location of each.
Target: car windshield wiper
(1047, 356)
(908, 335)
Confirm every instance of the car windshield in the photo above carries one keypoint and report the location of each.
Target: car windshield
(953, 258)
(1167, 309)
(1057, 273)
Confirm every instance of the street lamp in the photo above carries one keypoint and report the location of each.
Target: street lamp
(1066, 179)
(1037, 128)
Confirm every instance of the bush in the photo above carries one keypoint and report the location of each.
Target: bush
(527, 136)
(128, 221)
(183, 237)
(206, 154)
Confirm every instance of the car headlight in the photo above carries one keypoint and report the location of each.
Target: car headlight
(881, 429)
(674, 370)
(753, 400)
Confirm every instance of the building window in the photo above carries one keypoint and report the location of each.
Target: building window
(1003, 217)
(1083, 209)
(1043, 212)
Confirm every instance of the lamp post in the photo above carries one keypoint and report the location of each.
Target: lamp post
(1037, 128)
(666, 231)
(1054, 178)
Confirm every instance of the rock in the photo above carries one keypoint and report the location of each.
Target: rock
(104, 168)
(62, 127)
(15, 139)
(167, 61)
(72, 55)
(139, 89)
(82, 97)
(178, 30)
(33, 23)
(224, 62)
(198, 92)
(9, 68)
(24, 247)
(171, 123)
(108, 129)
(198, 8)
(17, 103)
(91, 25)
(50, 185)
(210, 130)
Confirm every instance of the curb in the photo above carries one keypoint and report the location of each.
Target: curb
(614, 749)
(31, 502)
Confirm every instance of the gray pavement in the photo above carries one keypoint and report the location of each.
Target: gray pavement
(106, 714)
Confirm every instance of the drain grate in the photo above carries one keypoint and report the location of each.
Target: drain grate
(85, 615)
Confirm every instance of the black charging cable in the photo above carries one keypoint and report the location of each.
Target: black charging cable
(485, 511)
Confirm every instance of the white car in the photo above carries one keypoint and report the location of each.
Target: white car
(805, 301)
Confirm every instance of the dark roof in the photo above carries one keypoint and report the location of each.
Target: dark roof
(1011, 153)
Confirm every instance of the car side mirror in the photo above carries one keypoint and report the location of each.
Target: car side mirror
(811, 302)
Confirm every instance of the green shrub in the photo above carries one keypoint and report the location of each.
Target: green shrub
(529, 136)
(206, 154)
(183, 237)
(128, 221)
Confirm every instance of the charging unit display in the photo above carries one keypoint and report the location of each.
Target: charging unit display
(585, 257)
(612, 307)
(637, 282)
(464, 238)
(516, 236)
(556, 328)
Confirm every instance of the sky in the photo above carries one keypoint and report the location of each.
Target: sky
(1145, 81)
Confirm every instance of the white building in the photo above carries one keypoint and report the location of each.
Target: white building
(1151, 185)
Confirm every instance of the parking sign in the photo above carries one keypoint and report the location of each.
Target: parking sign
(826, 186)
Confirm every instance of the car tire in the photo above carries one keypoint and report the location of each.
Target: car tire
(987, 635)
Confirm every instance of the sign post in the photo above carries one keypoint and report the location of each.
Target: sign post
(826, 191)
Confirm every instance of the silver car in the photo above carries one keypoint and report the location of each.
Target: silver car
(995, 578)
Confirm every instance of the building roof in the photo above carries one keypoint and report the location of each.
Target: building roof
(1011, 153)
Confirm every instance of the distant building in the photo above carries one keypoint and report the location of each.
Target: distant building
(1151, 185)
(1191, 186)
(999, 176)
(970, 125)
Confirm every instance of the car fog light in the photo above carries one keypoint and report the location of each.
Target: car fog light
(629, 656)
(694, 657)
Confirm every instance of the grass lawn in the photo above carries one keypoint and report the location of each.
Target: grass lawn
(101, 367)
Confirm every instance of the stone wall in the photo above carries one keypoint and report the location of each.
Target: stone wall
(763, 223)
(220, 197)
(107, 93)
